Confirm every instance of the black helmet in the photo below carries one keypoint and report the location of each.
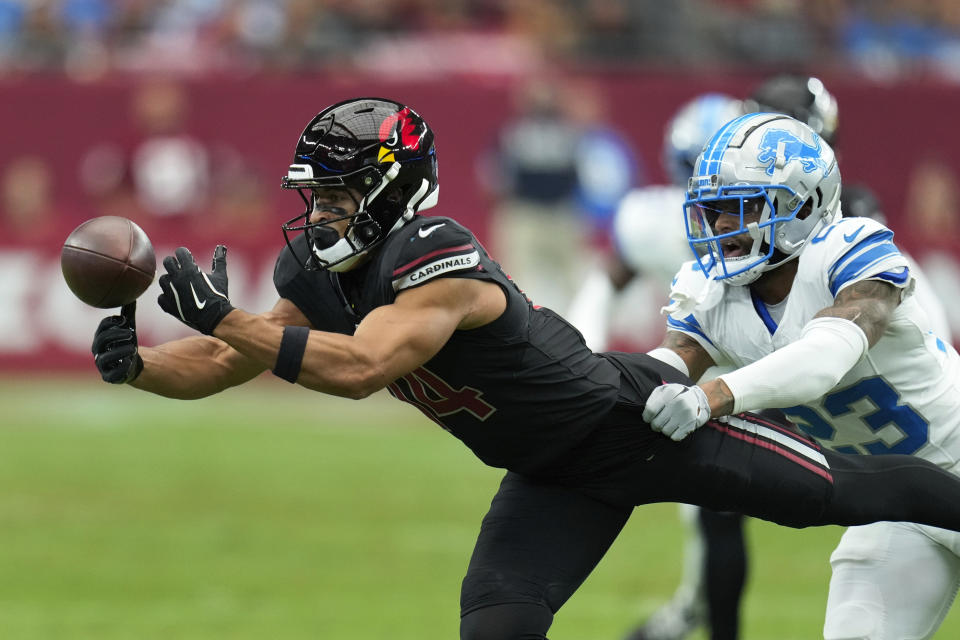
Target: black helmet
(860, 201)
(801, 97)
(380, 149)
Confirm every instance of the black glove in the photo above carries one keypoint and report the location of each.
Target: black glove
(198, 299)
(115, 347)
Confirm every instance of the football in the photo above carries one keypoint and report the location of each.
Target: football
(108, 261)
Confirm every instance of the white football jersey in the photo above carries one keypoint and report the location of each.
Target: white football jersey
(904, 394)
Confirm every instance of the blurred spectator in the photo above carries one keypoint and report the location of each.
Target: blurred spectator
(536, 228)
(164, 172)
(607, 166)
(894, 38)
(553, 27)
(239, 205)
(27, 205)
(933, 200)
(933, 231)
(11, 22)
(87, 38)
(170, 168)
(42, 45)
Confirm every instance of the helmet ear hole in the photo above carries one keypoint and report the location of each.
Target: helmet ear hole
(805, 209)
(367, 231)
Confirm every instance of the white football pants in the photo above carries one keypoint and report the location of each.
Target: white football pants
(891, 581)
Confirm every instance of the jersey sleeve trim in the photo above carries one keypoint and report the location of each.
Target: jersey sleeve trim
(874, 251)
(898, 278)
(413, 263)
(687, 325)
(459, 258)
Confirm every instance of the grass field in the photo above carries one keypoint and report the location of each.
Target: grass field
(274, 512)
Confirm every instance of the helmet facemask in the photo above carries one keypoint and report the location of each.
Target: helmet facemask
(328, 250)
(730, 231)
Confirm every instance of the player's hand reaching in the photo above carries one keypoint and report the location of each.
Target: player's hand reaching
(676, 410)
(197, 299)
(115, 347)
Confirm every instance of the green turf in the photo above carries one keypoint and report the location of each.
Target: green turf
(274, 512)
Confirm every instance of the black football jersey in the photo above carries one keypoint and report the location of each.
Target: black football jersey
(518, 391)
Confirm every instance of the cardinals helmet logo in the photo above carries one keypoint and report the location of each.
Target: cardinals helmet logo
(398, 132)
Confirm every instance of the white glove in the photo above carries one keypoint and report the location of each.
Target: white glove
(676, 410)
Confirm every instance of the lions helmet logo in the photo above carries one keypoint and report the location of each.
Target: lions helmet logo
(778, 142)
(398, 132)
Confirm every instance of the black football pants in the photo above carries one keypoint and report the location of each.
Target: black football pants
(543, 535)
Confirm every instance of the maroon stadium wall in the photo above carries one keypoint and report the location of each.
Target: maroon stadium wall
(885, 132)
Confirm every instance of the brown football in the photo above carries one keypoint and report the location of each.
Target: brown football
(108, 261)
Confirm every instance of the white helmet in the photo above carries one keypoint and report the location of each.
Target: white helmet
(767, 164)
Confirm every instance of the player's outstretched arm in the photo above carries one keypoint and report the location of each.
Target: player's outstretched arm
(199, 366)
(193, 367)
(189, 368)
(830, 345)
(390, 342)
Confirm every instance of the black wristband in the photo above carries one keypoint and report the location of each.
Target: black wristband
(290, 356)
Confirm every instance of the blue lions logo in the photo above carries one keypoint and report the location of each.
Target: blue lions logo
(793, 149)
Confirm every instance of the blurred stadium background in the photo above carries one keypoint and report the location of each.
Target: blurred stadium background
(273, 512)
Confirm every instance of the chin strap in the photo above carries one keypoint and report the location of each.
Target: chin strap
(340, 257)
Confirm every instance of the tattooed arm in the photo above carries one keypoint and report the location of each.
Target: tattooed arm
(869, 304)
(828, 347)
(694, 356)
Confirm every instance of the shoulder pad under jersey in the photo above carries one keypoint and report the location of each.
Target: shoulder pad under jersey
(288, 266)
(692, 291)
(433, 247)
(854, 249)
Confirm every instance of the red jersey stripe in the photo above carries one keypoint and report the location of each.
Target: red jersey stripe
(432, 254)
